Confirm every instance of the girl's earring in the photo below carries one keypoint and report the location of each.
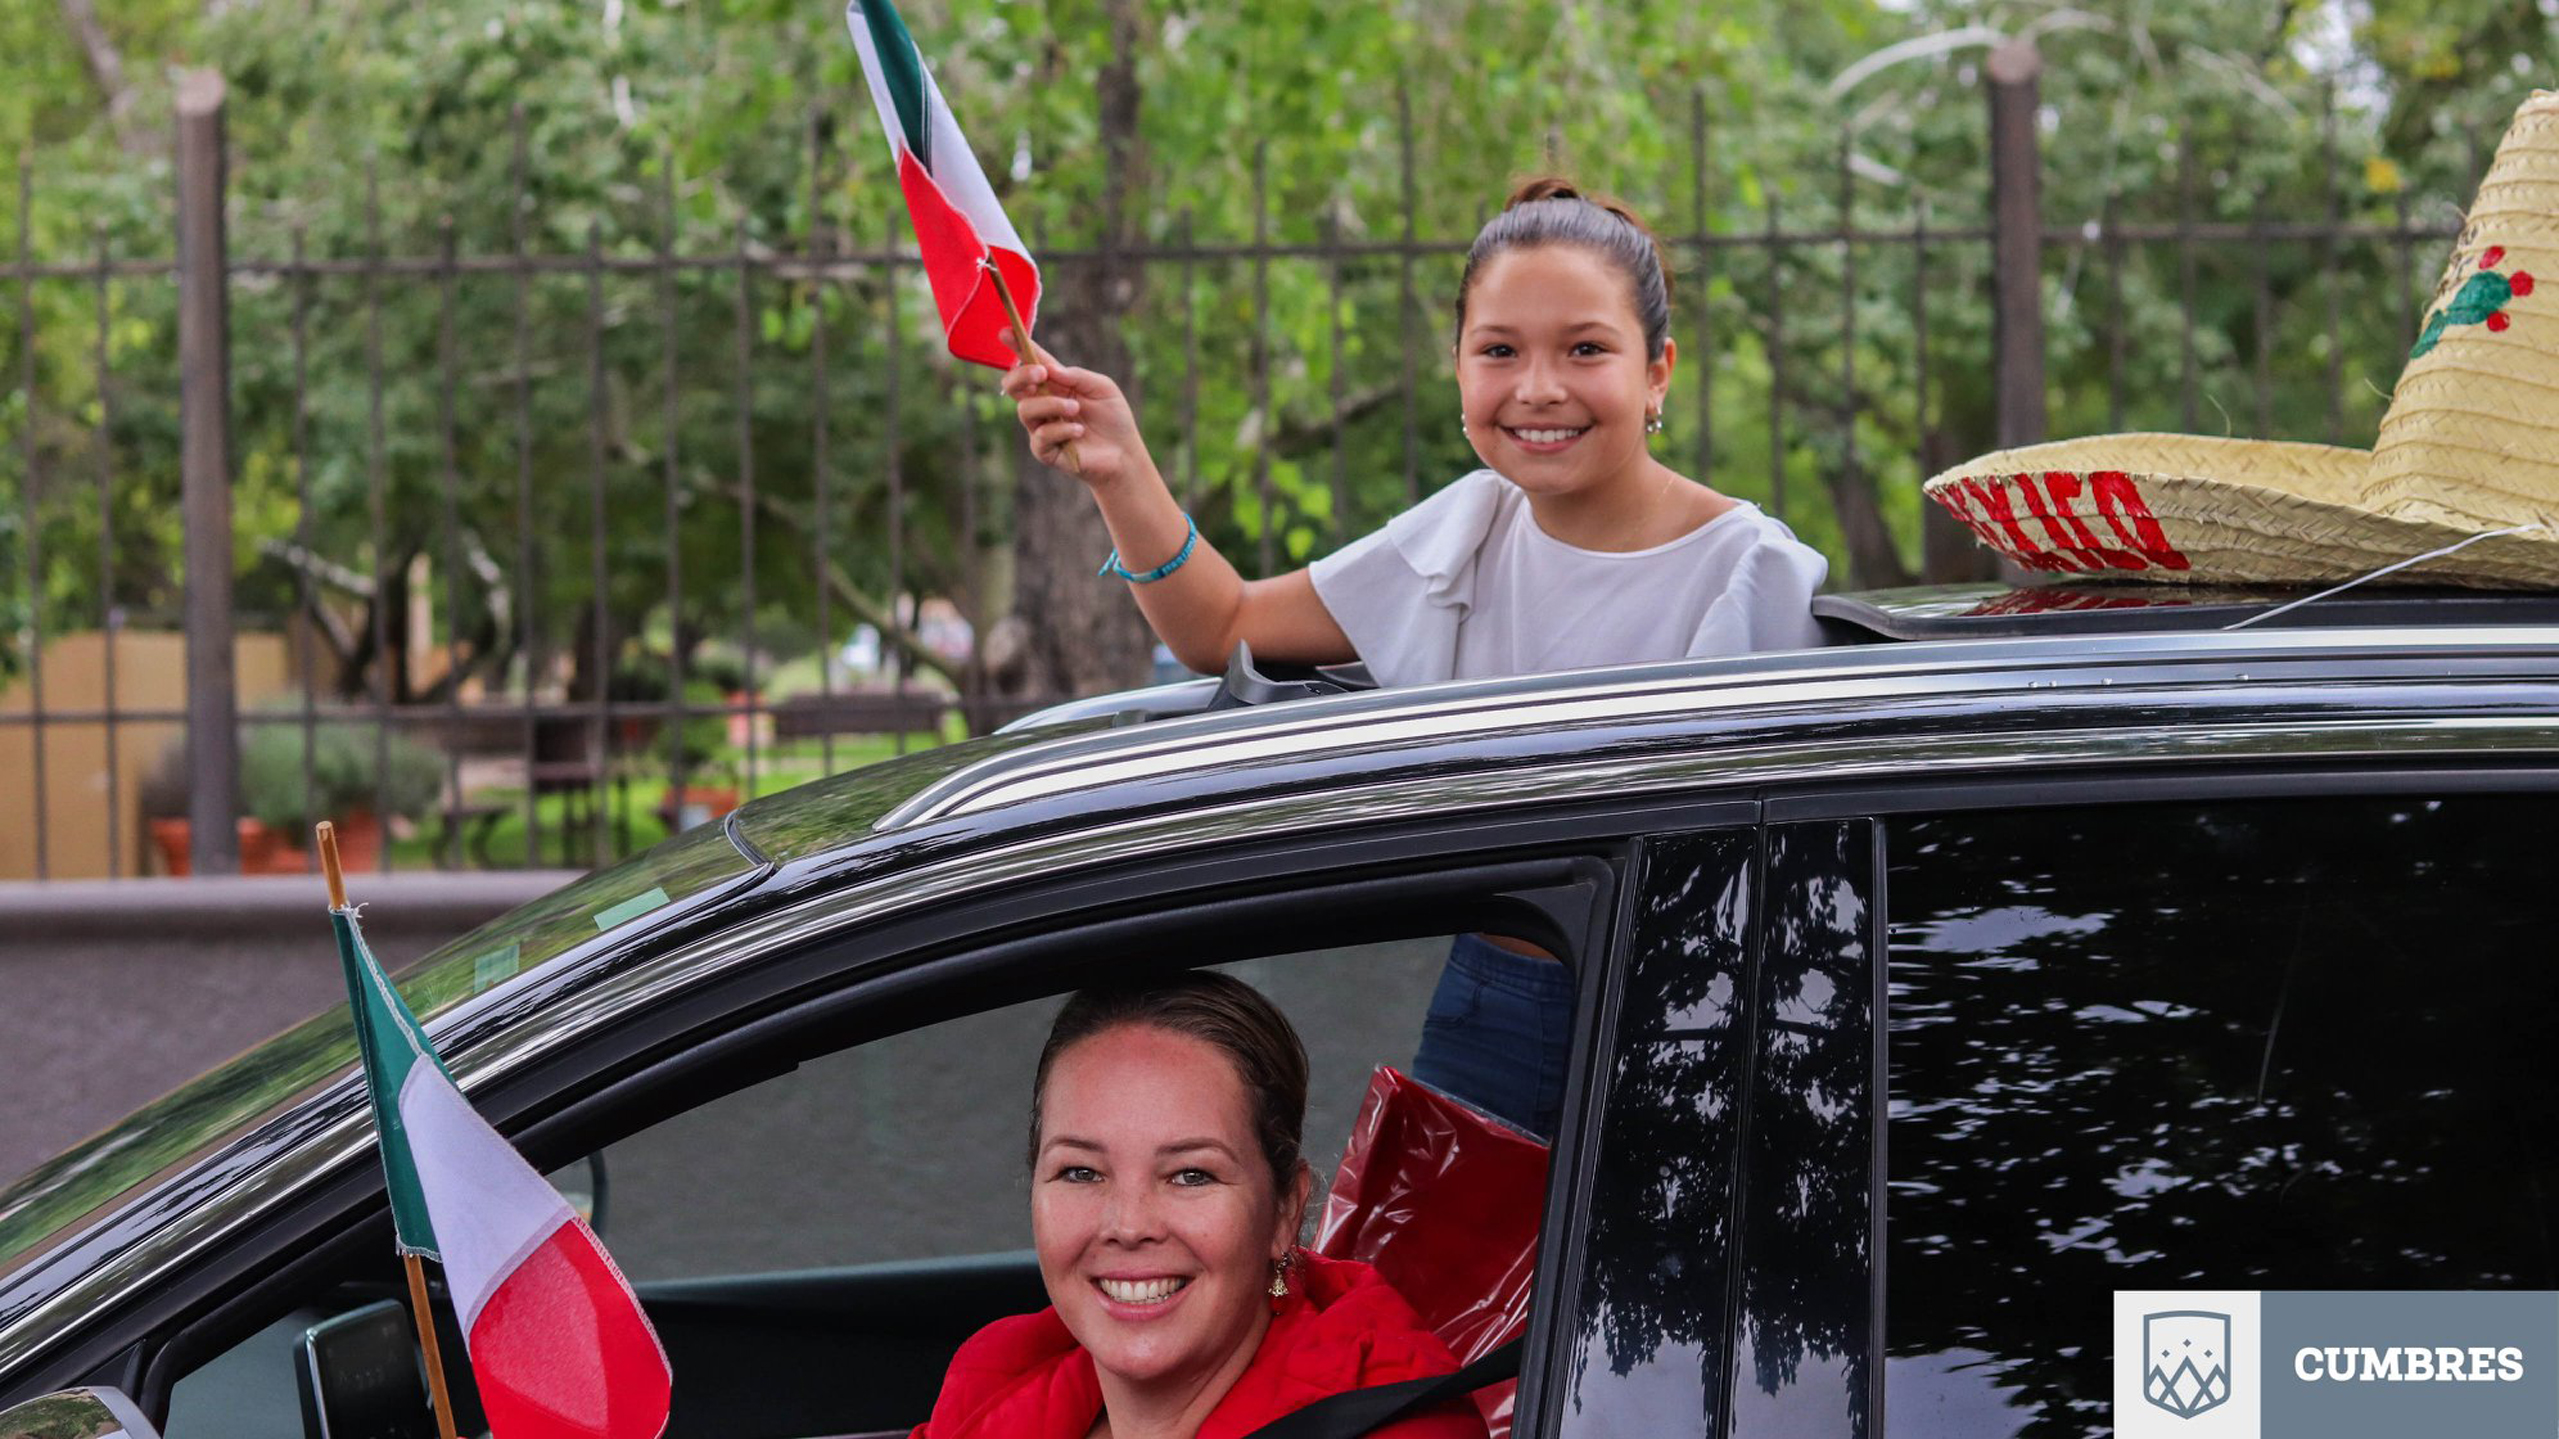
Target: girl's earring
(1653, 423)
(1461, 422)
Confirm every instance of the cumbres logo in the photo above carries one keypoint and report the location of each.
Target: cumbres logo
(2185, 1360)
(2042, 521)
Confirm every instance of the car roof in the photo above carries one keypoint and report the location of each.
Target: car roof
(939, 812)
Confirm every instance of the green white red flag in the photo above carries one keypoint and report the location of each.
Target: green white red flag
(559, 1346)
(958, 224)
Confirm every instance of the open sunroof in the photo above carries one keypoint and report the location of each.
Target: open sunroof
(1945, 612)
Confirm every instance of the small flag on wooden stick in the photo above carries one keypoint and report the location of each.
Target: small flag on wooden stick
(558, 1344)
(977, 264)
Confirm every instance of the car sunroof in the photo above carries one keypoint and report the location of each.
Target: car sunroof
(1947, 612)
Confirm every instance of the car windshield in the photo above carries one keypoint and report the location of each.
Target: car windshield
(673, 877)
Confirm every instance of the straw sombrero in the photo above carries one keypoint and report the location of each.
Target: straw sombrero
(2468, 447)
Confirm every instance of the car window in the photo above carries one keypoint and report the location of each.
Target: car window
(911, 1147)
(1648, 1321)
(2279, 1044)
(812, 1247)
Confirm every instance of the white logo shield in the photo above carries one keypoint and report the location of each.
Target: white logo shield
(2185, 1360)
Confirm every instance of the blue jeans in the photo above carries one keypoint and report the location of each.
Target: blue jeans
(1499, 1031)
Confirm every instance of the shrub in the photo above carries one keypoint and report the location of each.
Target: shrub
(343, 773)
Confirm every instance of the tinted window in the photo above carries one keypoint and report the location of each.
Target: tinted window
(1801, 1362)
(2267, 1044)
(911, 1146)
(1648, 1341)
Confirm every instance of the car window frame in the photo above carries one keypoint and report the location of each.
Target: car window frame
(1570, 867)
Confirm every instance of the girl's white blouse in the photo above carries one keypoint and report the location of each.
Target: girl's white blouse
(1465, 585)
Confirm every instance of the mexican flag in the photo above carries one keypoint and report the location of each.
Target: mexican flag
(958, 224)
(558, 1344)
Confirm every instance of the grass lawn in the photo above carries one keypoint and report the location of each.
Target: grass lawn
(631, 804)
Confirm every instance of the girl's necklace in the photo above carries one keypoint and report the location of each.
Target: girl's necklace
(1652, 509)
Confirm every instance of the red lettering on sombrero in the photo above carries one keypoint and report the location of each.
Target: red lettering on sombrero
(1995, 508)
(2065, 554)
(1958, 501)
(2064, 487)
(2119, 501)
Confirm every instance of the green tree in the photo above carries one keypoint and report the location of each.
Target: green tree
(683, 406)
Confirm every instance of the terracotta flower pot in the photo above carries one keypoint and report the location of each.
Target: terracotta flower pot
(359, 840)
(169, 836)
(264, 850)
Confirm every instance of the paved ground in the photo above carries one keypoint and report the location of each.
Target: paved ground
(113, 992)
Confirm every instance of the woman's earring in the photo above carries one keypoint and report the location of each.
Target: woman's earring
(1461, 422)
(1653, 423)
(1279, 1274)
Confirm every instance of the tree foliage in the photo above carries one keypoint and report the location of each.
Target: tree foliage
(510, 441)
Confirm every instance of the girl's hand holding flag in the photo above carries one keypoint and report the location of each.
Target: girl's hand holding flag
(988, 292)
(1079, 421)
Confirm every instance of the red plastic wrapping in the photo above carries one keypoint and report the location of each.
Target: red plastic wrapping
(1444, 1200)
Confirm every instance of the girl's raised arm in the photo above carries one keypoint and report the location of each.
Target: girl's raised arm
(1080, 422)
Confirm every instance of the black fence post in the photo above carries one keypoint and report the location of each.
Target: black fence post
(2016, 245)
(204, 405)
(2017, 273)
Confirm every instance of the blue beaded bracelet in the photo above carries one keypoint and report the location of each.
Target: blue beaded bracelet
(1112, 566)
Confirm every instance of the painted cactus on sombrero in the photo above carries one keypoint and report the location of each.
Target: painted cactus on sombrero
(2469, 448)
(2472, 437)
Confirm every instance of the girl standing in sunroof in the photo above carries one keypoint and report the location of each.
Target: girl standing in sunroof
(1573, 546)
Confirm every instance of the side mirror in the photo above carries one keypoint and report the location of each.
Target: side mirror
(361, 1373)
(79, 1414)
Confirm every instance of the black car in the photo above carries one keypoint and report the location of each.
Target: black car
(1930, 989)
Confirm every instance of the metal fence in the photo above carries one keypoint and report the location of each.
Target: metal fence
(461, 574)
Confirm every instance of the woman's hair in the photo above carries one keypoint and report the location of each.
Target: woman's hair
(1548, 210)
(1226, 1014)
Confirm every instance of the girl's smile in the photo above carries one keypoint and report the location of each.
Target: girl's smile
(1547, 440)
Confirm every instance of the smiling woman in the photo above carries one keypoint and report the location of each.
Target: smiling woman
(1167, 1189)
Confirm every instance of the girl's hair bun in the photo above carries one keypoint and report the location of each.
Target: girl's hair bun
(1552, 210)
(1542, 187)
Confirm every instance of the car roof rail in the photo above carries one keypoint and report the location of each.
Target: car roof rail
(1246, 683)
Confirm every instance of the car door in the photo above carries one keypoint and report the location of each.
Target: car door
(2285, 1040)
(814, 1179)
(2017, 1048)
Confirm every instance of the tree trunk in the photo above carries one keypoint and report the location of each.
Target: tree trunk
(1874, 561)
(1077, 634)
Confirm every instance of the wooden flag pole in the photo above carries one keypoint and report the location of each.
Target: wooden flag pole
(1022, 344)
(418, 1305)
(329, 865)
(433, 1347)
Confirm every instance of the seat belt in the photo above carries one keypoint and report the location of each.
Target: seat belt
(1355, 1412)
